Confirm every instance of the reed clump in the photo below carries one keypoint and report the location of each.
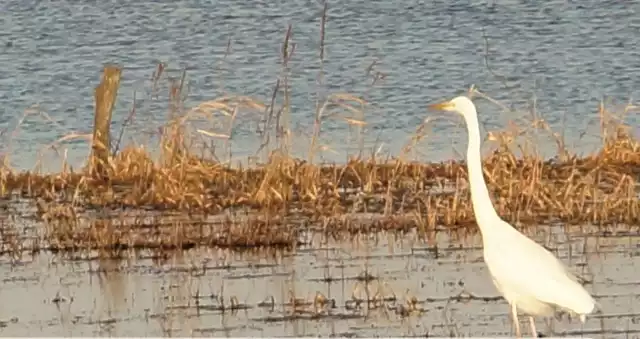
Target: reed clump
(270, 204)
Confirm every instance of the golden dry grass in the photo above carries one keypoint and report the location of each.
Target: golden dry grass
(281, 196)
(598, 188)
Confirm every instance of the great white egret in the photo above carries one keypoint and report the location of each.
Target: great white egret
(531, 279)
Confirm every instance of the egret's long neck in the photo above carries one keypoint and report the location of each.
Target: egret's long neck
(482, 206)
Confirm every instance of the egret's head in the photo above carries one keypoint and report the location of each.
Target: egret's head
(461, 104)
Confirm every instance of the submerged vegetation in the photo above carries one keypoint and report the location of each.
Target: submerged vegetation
(182, 199)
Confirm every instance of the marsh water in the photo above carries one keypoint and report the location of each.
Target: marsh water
(561, 57)
(180, 295)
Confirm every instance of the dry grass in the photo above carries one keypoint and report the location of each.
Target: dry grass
(286, 195)
(599, 188)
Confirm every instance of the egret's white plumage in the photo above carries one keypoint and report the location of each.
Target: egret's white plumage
(531, 279)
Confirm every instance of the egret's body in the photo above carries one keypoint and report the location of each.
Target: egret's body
(530, 278)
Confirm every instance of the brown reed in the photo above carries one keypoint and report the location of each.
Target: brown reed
(283, 195)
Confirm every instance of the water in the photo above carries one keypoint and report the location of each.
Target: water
(145, 298)
(567, 55)
(564, 55)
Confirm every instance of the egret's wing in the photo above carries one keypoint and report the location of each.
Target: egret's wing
(528, 269)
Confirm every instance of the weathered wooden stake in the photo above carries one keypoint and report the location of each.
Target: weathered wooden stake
(105, 98)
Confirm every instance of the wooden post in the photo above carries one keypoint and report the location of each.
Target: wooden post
(105, 98)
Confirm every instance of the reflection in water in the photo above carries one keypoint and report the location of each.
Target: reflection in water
(319, 290)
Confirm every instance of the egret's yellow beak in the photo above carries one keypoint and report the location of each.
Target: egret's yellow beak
(442, 106)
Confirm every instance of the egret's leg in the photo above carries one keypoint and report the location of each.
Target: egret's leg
(514, 316)
(532, 322)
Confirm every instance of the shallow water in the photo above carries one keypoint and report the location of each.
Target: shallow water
(61, 297)
(563, 55)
